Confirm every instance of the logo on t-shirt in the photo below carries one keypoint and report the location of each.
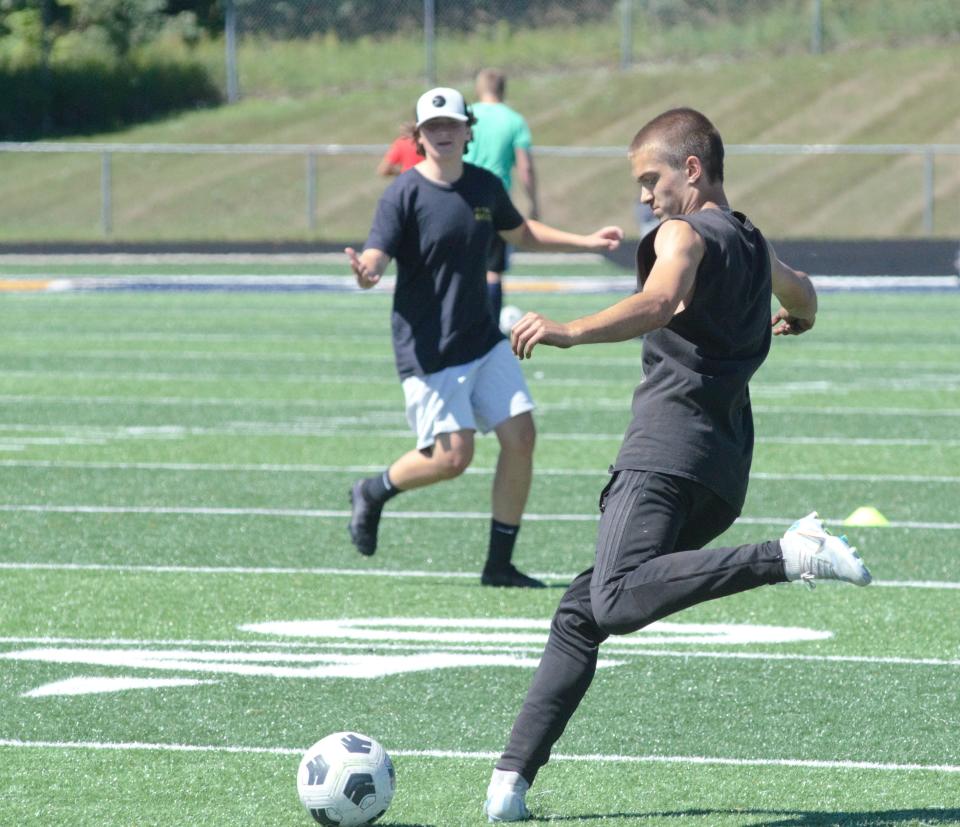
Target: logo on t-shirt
(482, 214)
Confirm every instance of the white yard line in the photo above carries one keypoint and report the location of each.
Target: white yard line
(385, 357)
(308, 468)
(616, 405)
(320, 431)
(320, 513)
(329, 571)
(459, 755)
(939, 381)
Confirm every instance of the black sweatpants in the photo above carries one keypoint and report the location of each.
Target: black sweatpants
(650, 563)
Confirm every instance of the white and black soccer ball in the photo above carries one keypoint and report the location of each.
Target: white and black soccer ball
(509, 316)
(346, 780)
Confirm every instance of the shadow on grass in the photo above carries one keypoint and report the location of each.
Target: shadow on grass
(786, 818)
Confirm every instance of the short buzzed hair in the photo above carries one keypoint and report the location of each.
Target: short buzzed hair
(680, 133)
(491, 81)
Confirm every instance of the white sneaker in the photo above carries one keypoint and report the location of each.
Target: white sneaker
(810, 551)
(505, 797)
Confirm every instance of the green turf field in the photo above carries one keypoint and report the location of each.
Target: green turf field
(174, 471)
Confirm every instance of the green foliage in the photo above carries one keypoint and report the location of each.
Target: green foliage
(80, 66)
(21, 37)
(84, 95)
(123, 23)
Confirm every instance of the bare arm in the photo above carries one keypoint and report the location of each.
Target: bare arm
(535, 235)
(797, 297)
(528, 178)
(671, 282)
(388, 169)
(368, 266)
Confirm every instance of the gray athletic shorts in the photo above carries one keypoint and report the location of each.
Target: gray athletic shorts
(476, 396)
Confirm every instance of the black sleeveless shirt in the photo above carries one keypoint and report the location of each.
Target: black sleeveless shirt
(691, 412)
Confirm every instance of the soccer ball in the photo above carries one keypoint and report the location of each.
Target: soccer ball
(346, 780)
(509, 316)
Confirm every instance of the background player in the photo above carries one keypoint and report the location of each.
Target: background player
(456, 368)
(501, 141)
(401, 155)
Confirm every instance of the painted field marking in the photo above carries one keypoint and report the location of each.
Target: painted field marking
(95, 686)
(619, 404)
(638, 650)
(941, 382)
(436, 630)
(613, 404)
(459, 755)
(308, 468)
(385, 357)
(319, 513)
(560, 577)
(324, 431)
(400, 645)
(436, 643)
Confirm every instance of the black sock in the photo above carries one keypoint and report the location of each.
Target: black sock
(495, 297)
(502, 539)
(379, 489)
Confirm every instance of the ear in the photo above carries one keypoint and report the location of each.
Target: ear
(694, 169)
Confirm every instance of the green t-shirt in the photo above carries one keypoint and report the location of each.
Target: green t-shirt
(497, 134)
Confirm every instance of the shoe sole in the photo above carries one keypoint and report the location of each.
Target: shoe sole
(500, 584)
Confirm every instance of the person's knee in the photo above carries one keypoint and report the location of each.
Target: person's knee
(609, 613)
(453, 463)
(576, 627)
(521, 437)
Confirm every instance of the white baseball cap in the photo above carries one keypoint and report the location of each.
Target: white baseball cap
(442, 102)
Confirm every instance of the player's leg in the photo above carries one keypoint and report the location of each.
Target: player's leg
(495, 294)
(448, 457)
(563, 676)
(650, 561)
(440, 412)
(511, 482)
(496, 265)
(511, 486)
(502, 403)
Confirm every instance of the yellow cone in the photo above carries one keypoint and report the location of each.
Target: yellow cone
(866, 515)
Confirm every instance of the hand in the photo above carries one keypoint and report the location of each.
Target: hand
(786, 324)
(366, 276)
(534, 329)
(606, 238)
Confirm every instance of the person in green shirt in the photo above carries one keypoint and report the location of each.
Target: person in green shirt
(501, 141)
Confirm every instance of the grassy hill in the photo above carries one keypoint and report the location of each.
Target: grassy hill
(880, 95)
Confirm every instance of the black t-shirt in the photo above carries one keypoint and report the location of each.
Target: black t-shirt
(439, 234)
(691, 414)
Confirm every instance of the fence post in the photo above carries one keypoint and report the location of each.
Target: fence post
(626, 34)
(312, 191)
(429, 36)
(106, 193)
(230, 43)
(816, 28)
(928, 192)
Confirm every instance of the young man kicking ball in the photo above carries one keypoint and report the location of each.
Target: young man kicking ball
(706, 275)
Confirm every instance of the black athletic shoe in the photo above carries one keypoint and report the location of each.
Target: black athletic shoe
(509, 576)
(364, 519)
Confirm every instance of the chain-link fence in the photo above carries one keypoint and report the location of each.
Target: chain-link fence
(297, 45)
(347, 43)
